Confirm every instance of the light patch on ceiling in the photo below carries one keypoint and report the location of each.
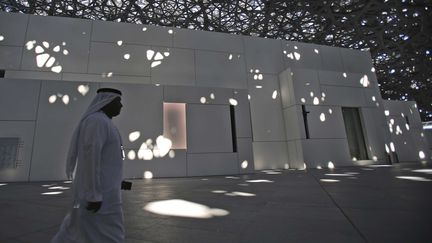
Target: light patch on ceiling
(183, 208)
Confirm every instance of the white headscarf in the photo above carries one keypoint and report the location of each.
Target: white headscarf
(102, 99)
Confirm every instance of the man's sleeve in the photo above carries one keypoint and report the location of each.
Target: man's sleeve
(95, 135)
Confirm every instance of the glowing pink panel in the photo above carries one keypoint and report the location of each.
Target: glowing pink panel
(174, 124)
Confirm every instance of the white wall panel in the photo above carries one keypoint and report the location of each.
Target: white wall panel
(242, 114)
(306, 86)
(356, 61)
(270, 155)
(325, 122)
(208, 128)
(178, 68)
(32, 75)
(108, 31)
(142, 112)
(301, 55)
(68, 34)
(266, 112)
(18, 99)
(245, 153)
(55, 124)
(263, 54)
(159, 167)
(10, 57)
(115, 78)
(374, 132)
(212, 164)
(331, 59)
(295, 154)
(205, 40)
(215, 69)
(287, 89)
(11, 28)
(197, 95)
(294, 123)
(343, 96)
(109, 57)
(325, 150)
(24, 130)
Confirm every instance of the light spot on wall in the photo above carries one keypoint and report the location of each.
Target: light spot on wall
(56, 49)
(387, 148)
(52, 99)
(170, 31)
(249, 97)
(233, 101)
(364, 81)
(1, 38)
(45, 44)
(158, 56)
(30, 44)
(144, 29)
(148, 175)
(398, 130)
(330, 111)
(345, 75)
(316, 101)
(422, 155)
(304, 166)
(392, 147)
(330, 165)
(316, 51)
(144, 152)
(203, 100)
(58, 188)
(83, 89)
(126, 56)
(133, 136)
(65, 52)
(322, 117)
(275, 94)
(150, 54)
(171, 154)
(311, 94)
(131, 155)
(407, 127)
(120, 42)
(212, 96)
(392, 121)
(258, 86)
(41, 59)
(354, 159)
(386, 112)
(373, 69)
(303, 100)
(244, 164)
(319, 167)
(230, 57)
(65, 99)
(373, 98)
(156, 63)
(183, 208)
(297, 56)
(374, 158)
(3, 184)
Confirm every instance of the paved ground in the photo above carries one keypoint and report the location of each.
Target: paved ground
(355, 204)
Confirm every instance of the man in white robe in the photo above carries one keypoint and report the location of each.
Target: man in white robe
(96, 155)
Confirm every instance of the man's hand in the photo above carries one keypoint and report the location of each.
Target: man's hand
(93, 206)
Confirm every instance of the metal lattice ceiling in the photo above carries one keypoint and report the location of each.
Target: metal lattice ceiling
(398, 33)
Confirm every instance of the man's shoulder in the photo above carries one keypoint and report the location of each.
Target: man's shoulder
(98, 117)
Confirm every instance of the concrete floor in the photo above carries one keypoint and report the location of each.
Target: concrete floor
(363, 204)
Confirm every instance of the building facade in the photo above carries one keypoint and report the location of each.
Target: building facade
(195, 103)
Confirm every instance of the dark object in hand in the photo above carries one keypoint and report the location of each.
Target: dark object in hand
(126, 185)
(93, 206)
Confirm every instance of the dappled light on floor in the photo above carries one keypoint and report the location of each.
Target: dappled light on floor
(329, 180)
(259, 181)
(413, 178)
(183, 208)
